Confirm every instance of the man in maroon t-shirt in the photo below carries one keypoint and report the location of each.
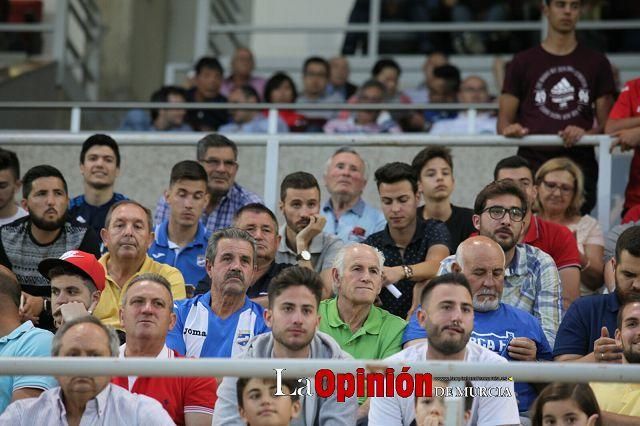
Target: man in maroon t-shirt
(554, 239)
(559, 87)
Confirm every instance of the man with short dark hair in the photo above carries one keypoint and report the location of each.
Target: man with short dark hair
(248, 120)
(443, 88)
(302, 240)
(219, 157)
(559, 87)
(46, 232)
(99, 166)
(159, 119)
(221, 322)
(207, 84)
(147, 316)
(433, 167)
(315, 77)
(127, 234)
(86, 399)
(18, 339)
(412, 247)
(447, 316)
(554, 239)
(584, 334)
(76, 278)
(348, 215)
(294, 296)
(619, 402)
(9, 186)
(181, 241)
(531, 279)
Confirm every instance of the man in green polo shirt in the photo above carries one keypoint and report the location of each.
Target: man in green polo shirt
(361, 329)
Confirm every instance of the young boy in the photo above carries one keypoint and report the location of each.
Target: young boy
(259, 406)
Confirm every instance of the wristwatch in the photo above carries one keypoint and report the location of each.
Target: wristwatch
(304, 255)
(408, 272)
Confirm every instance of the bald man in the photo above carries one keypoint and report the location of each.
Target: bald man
(508, 331)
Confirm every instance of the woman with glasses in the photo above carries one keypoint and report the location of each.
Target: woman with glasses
(560, 185)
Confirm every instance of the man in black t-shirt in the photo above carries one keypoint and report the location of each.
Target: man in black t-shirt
(412, 247)
(559, 87)
(46, 232)
(433, 167)
(208, 81)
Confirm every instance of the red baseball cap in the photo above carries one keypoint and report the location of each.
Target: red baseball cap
(84, 263)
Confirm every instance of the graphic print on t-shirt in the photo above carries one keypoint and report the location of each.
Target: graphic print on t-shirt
(562, 93)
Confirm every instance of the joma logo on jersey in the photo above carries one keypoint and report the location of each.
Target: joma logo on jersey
(195, 332)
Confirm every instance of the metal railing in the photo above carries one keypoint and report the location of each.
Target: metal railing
(272, 140)
(77, 31)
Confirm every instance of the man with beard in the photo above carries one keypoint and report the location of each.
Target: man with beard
(531, 280)
(100, 166)
(220, 323)
(127, 235)
(147, 316)
(219, 157)
(510, 332)
(349, 217)
(9, 186)
(86, 400)
(620, 402)
(447, 316)
(302, 240)
(46, 232)
(294, 297)
(584, 334)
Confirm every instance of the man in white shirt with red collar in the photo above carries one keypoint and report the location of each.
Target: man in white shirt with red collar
(147, 316)
(447, 316)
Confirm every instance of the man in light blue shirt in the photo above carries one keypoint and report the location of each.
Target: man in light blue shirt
(248, 120)
(220, 323)
(181, 240)
(19, 340)
(348, 216)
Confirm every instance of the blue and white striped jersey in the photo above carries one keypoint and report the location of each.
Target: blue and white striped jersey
(200, 333)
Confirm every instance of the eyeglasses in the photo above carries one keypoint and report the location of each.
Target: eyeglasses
(216, 162)
(552, 186)
(516, 214)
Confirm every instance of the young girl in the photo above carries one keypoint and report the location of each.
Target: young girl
(566, 404)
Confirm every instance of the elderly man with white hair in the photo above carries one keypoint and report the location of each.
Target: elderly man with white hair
(512, 333)
(360, 328)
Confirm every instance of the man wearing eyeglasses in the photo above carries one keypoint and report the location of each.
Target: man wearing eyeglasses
(219, 157)
(531, 281)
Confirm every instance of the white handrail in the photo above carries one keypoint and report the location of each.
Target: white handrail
(264, 367)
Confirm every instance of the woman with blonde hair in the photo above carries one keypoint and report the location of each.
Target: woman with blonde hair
(560, 185)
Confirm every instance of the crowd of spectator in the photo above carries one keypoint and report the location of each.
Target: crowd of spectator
(522, 275)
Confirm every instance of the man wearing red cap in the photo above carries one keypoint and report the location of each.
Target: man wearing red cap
(77, 279)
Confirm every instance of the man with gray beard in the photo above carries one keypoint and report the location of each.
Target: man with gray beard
(510, 332)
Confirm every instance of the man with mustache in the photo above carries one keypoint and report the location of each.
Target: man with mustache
(510, 332)
(447, 316)
(99, 166)
(219, 157)
(302, 240)
(220, 323)
(619, 402)
(46, 232)
(181, 240)
(127, 235)
(86, 400)
(531, 280)
(147, 316)
(294, 297)
(585, 332)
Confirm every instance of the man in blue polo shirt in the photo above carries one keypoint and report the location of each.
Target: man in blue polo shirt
(181, 240)
(510, 332)
(586, 333)
(221, 322)
(19, 340)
